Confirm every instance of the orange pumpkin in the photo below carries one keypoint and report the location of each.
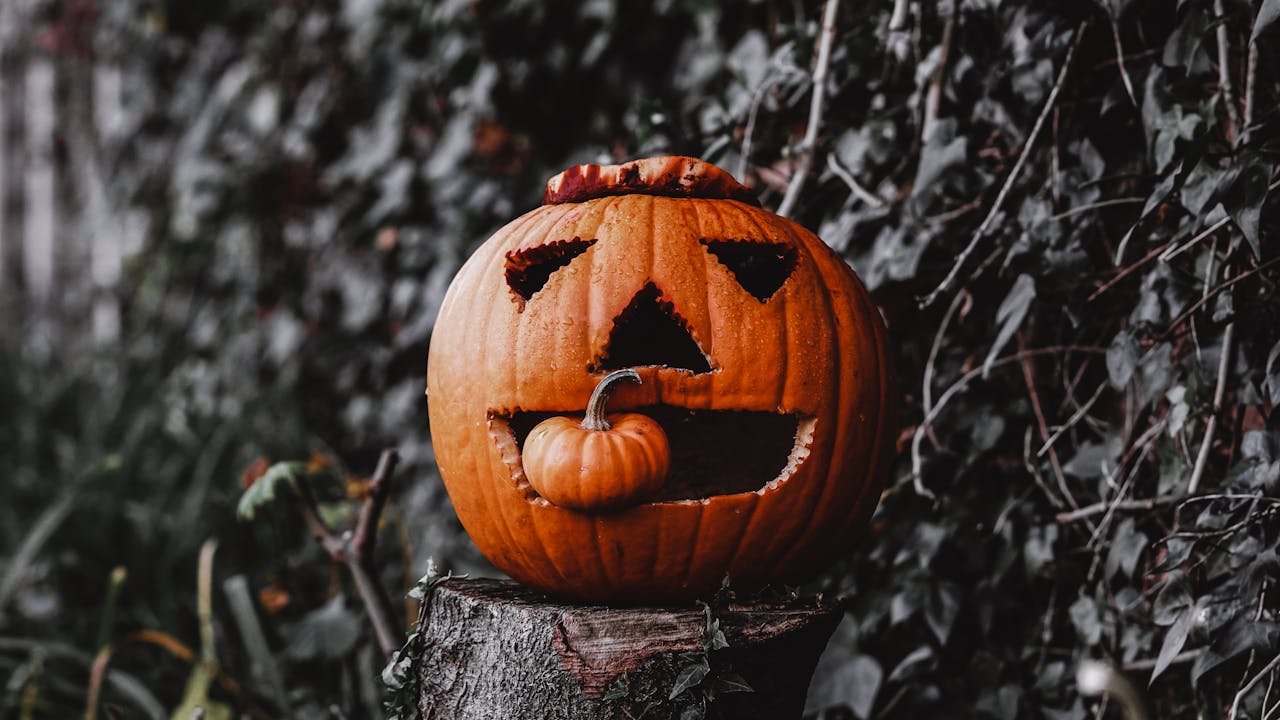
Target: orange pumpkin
(601, 463)
(762, 358)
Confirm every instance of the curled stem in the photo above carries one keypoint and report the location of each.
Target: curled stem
(595, 419)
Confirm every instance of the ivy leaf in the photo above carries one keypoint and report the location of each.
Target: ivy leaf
(690, 676)
(940, 610)
(1122, 359)
(914, 659)
(694, 712)
(1084, 616)
(1242, 191)
(618, 689)
(1241, 635)
(1126, 548)
(1173, 641)
(263, 490)
(1268, 13)
(1010, 316)
(1273, 373)
(328, 632)
(1172, 600)
(732, 682)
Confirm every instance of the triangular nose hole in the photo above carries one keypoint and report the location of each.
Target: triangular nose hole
(650, 332)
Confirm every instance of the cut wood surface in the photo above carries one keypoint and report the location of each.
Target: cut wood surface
(494, 649)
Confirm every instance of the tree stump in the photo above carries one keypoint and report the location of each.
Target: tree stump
(494, 649)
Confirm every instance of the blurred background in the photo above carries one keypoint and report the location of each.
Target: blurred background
(226, 228)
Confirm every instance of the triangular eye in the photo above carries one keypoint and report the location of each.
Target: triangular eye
(528, 270)
(760, 267)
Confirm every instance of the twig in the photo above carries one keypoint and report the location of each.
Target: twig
(1028, 376)
(1141, 445)
(1235, 704)
(1219, 392)
(1124, 73)
(355, 549)
(1071, 421)
(1215, 292)
(1224, 73)
(933, 99)
(1035, 472)
(748, 133)
(1099, 508)
(366, 535)
(1150, 663)
(981, 232)
(820, 66)
(926, 387)
(898, 21)
(1097, 206)
(866, 196)
(917, 462)
(1173, 252)
(1250, 78)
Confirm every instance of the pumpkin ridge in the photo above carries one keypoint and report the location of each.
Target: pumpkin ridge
(490, 503)
(540, 225)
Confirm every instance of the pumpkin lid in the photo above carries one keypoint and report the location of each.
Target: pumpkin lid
(669, 176)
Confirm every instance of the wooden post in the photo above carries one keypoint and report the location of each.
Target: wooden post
(494, 649)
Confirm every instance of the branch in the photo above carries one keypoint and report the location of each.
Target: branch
(917, 462)
(1028, 376)
(1099, 508)
(1224, 73)
(866, 196)
(1214, 293)
(1013, 174)
(1219, 392)
(821, 64)
(1124, 73)
(355, 549)
(933, 99)
(1250, 80)
(366, 534)
(1235, 704)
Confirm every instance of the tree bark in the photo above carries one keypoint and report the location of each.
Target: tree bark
(494, 649)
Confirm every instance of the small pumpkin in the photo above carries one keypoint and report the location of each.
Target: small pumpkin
(599, 464)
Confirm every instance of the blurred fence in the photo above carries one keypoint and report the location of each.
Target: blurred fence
(62, 243)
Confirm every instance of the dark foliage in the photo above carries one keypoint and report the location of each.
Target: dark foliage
(1090, 460)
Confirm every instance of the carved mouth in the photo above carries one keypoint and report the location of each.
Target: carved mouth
(713, 452)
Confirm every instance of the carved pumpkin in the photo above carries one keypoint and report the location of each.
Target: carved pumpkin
(760, 353)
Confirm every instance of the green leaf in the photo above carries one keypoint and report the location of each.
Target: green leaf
(263, 491)
(1242, 191)
(864, 676)
(326, 633)
(1174, 598)
(1174, 640)
(1268, 13)
(618, 689)
(940, 610)
(1085, 618)
(1010, 315)
(1241, 635)
(689, 676)
(732, 682)
(1126, 548)
(1122, 359)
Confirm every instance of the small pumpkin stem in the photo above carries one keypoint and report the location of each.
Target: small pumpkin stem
(595, 419)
